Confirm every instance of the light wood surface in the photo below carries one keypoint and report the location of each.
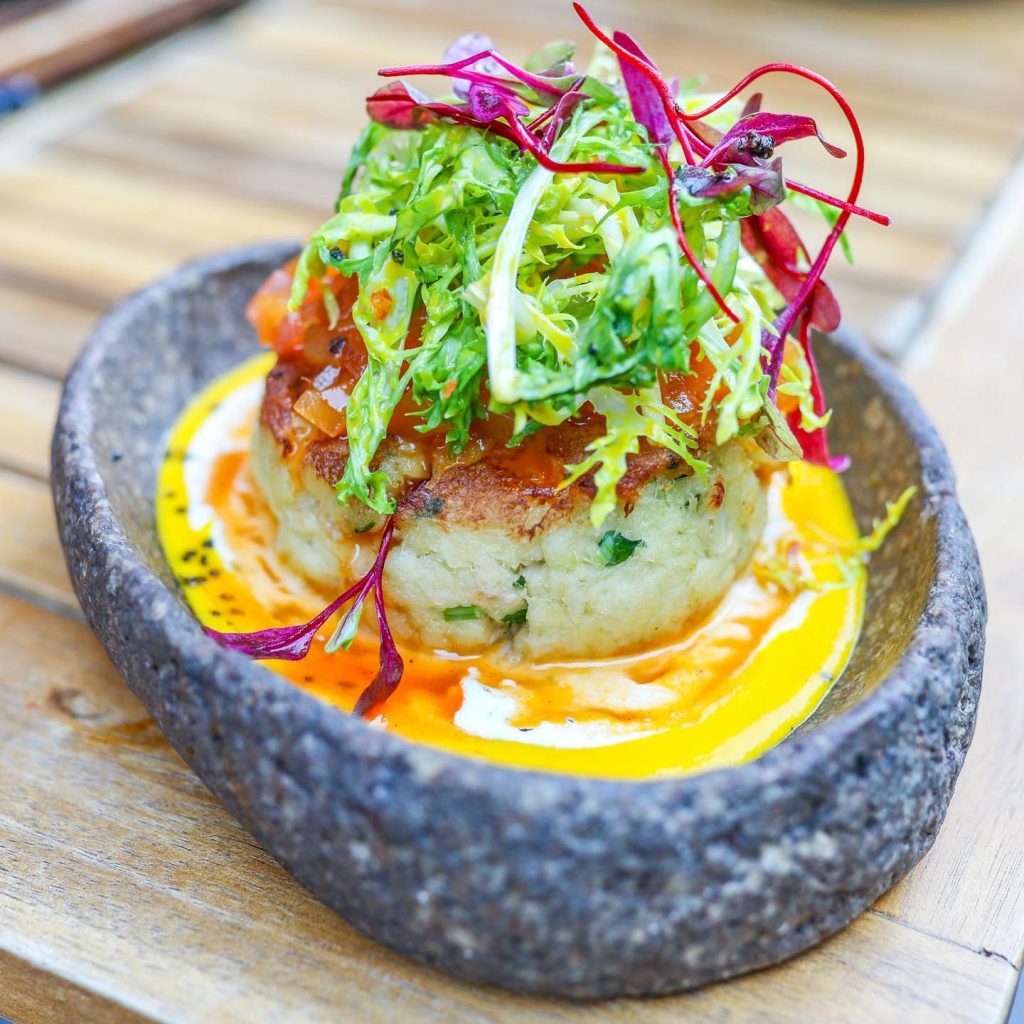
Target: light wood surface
(52, 41)
(126, 892)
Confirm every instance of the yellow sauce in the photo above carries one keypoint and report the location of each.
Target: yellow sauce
(728, 688)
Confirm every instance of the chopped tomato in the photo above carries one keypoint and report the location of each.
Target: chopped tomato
(288, 331)
(684, 392)
(381, 303)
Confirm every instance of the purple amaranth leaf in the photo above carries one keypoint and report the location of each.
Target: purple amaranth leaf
(561, 113)
(814, 445)
(469, 45)
(283, 643)
(391, 668)
(399, 105)
(487, 103)
(767, 186)
(292, 643)
(648, 107)
(755, 136)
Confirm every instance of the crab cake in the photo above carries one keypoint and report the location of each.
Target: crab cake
(489, 551)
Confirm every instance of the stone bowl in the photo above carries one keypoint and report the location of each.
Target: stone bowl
(538, 882)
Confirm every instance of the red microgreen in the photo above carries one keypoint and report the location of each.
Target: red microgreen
(773, 241)
(292, 643)
(647, 96)
(397, 105)
(629, 52)
(684, 242)
(774, 344)
(769, 236)
(469, 45)
(740, 144)
(814, 443)
(494, 103)
(389, 672)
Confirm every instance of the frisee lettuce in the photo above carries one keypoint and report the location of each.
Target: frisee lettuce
(544, 291)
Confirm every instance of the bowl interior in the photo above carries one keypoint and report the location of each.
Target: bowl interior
(180, 337)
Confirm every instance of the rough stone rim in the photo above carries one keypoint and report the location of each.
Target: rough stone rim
(804, 754)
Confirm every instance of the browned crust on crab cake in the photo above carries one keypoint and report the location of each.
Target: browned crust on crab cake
(490, 529)
(474, 488)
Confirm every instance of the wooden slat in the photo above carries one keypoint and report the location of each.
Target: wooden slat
(31, 561)
(63, 39)
(43, 327)
(123, 876)
(968, 373)
(27, 412)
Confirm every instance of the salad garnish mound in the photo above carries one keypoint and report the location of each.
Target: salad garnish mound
(548, 240)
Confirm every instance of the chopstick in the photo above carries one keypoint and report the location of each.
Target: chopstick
(57, 39)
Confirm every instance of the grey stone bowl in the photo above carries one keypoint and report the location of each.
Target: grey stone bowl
(533, 881)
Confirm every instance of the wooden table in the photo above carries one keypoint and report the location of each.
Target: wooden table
(126, 892)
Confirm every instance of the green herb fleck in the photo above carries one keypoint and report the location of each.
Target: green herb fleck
(615, 548)
(516, 617)
(461, 613)
(365, 528)
(519, 582)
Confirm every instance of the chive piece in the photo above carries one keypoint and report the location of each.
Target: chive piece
(461, 613)
(519, 582)
(615, 548)
(364, 529)
(516, 617)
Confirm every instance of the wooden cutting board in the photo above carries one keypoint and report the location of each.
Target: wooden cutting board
(126, 892)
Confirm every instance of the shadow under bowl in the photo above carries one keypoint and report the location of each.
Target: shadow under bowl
(540, 882)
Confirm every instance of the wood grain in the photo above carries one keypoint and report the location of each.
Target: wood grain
(31, 561)
(59, 40)
(968, 373)
(127, 893)
(27, 415)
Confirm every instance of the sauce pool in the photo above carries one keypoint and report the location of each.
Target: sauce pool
(725, 690)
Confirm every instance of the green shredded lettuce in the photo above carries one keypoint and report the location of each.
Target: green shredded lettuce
(790, 565)
(544, 292)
